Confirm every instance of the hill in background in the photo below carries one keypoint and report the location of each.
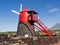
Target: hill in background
(56, 27)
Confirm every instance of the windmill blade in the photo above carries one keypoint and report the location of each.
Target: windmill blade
(15, 12)
(20, 7)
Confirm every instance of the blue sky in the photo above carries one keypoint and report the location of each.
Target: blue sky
(49, 12)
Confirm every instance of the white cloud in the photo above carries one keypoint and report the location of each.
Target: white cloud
(53, 10)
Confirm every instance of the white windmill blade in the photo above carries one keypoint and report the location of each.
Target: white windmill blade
(15, 12)
(20, 7)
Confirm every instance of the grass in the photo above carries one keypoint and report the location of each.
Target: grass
(8, 32)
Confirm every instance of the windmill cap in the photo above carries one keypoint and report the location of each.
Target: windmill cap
(27, 10)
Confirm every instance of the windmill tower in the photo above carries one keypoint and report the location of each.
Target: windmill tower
(24, 28)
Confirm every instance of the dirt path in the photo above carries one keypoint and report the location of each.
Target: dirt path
(58, 43)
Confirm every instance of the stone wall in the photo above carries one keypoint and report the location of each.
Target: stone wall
(6, 39)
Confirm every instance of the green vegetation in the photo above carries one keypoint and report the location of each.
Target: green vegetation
(8, 32)
(53, 31)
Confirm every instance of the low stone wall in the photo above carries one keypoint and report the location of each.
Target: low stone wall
(40, 40)
(6, 39)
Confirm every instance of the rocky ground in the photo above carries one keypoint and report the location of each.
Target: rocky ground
(6, 39)
(58, 43)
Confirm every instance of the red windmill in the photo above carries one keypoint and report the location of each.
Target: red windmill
(26, 25)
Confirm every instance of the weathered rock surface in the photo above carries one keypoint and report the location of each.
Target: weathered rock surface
(6, 39)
